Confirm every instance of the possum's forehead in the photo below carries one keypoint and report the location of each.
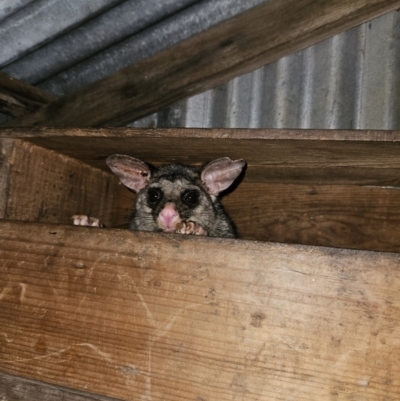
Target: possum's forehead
(174, 179)
(174, 172)
(173, 189)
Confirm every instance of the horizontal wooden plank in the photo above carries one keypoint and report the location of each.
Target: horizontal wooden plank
(45, 186)
(285, 156)
(242, 44)
(13, 388)
(287, 188)
(18, 98)
(43, 133)
(167, 317)
(342, 216)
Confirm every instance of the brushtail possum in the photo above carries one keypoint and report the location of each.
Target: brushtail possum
(176, 198)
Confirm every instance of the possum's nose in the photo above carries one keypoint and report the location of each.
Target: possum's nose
(168, 217)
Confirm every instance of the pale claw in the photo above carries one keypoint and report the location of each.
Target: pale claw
(85, 220)
(190, 228)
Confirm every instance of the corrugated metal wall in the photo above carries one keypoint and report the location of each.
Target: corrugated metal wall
(349, 81)
(102, 44)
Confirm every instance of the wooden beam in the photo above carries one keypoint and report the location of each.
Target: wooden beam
(14, 388)
(18, 98)
(322, 187)
(342, 216)
(45, 186)
(280, 156)
(242, 44)
(33, 133)
(6, 148)
(167, 317)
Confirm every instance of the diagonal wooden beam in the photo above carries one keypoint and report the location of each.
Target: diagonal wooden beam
(18, 98)
(240, 45)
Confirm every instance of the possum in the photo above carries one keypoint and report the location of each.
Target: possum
(176, 198)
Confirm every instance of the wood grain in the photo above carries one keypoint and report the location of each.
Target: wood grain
(6, 147)
(18, 98)
(300, 187)
(43, 133)
(287, 189)
(242, 44)
(280, 156)
(48, 187)
(164, 317)
(341, 216)
(13, 388)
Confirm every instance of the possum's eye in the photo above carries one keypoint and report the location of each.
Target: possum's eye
(190, 197)
(154, 196)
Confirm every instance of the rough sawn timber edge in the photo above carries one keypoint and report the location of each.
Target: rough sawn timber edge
(168, 317)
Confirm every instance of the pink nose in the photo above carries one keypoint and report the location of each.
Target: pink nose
(168, 217)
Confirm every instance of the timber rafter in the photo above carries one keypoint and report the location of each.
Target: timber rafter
(237, 46)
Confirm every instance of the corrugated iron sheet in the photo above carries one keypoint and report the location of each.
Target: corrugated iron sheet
(40, 21)
(125, 34)
(9, 7)
(349, 81)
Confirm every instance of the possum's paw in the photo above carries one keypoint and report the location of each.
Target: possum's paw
(190, 228)
(85, 220)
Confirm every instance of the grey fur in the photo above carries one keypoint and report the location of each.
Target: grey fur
(173, 181)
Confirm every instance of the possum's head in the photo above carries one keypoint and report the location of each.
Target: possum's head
(175, 193)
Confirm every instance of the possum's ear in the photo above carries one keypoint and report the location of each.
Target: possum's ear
(132, 172)
(220, 174)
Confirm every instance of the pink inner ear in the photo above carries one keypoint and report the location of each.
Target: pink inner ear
(219, 174)
(132, 172)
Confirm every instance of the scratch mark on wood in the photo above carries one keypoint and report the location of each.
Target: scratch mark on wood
(148, 396)
(4, 292)
(18, 360)
(149, 314)
(23, 292)
(6, 337)
(364, 381)
(161, 333)
(103, 354)
(125, 274)
(88, 279)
